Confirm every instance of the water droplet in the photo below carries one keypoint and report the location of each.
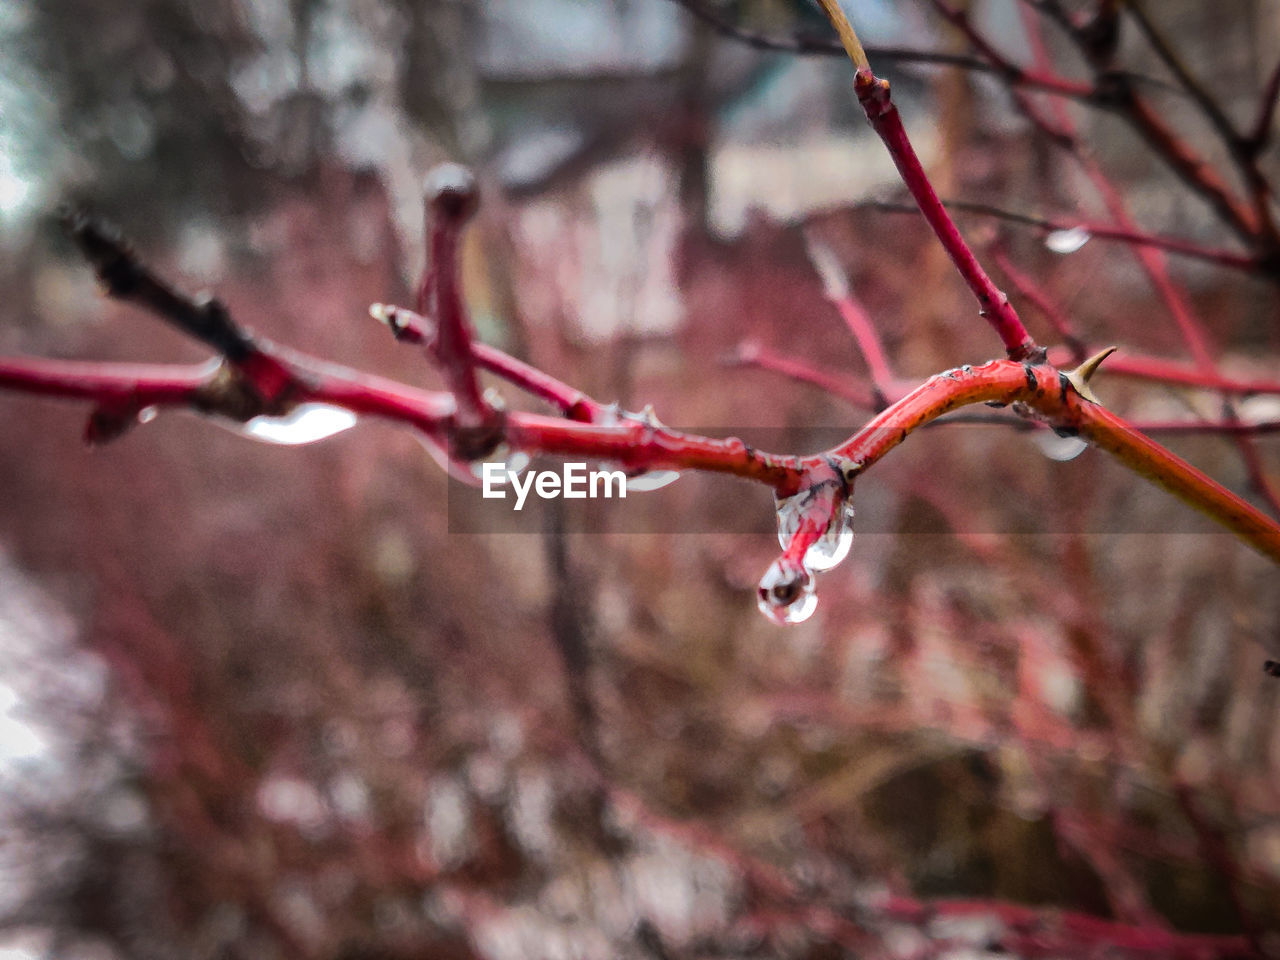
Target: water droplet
(304, 424)
(514, 462)
(786, 594)
(147, 414)
(1067, 241)
(471, 472)
(836, 541)
(1057, 447)
(652, 480)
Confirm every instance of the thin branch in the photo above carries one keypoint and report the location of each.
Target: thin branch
(852, 391)
(410, 327)
(1155, 266)
(1197, 173)
(1032, 291)
(1260, 134)
(994, 306)
(807, 45)
(1012, 73)
(1048, 392)
(126, 278)
(859, 395)
(1243, 152)
(1195, 89)
(835, 284)
(452, 199)
(1095, 229)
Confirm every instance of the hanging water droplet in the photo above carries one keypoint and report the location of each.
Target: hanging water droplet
(304, 424)
(471, 472)
(1058, 447)
(652, 480)
(513, 461)
(786, 594)
(834, 544)
(1067, 241)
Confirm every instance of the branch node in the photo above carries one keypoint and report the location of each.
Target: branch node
(873, 94)
(231, 393)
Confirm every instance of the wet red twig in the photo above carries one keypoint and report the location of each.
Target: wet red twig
(993, 305)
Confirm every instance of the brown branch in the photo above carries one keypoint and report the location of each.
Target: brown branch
(1117, 93)
(1095, 229)
(1260, 133)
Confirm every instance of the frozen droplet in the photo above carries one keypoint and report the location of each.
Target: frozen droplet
(514, 462)
(786, 594)
(652, 480)
(836, 541)
(304, 424)
(1057, 447)
(1067, 241)
(471, 472)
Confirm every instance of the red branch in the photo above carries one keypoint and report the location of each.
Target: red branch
(994, 306)
(452, 199)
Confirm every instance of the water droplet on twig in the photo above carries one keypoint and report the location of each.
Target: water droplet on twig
(1057, 447)
(1067, 241)
(651, 480)
(786, 594)
(304, 424)
(834, 544)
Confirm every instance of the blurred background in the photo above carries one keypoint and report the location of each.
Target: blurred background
(260, 701)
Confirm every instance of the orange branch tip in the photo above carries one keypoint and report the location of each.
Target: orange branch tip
(848, 37)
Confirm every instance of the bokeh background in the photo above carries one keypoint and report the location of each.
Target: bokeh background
(266, 701)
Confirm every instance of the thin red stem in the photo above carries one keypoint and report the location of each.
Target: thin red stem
(994, 306)
(411, 327)
(451, 201)
(853, 391)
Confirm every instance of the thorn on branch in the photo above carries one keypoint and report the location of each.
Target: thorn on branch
(1079, 377)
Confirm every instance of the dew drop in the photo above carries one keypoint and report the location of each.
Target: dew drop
(471, 472)
(1059, 448)
(786, 594)
(834, 544)
(652, 480)
(304, 424)
(1067, 241)
(514, 462)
